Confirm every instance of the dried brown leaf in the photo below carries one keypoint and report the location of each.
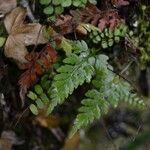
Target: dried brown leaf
(21, 35)
(6, 6)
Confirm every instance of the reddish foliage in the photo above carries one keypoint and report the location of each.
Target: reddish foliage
(109, 18)
(37, 64)
(65, 24)
(91, 14)
(119, 3)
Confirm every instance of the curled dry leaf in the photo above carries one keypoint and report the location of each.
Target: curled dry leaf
(21, 35)
(6, 6)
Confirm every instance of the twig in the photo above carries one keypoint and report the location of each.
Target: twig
(20, 117)
(126, 68)
(36, 43)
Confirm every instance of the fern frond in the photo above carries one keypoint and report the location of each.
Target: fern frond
(83, 65)
(75, 72)
(108, 90)
(40, 95)
(92, 108)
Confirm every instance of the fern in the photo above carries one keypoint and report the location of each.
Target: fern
(76, 70)
(40, 95)
(83, 65)
(107, 91)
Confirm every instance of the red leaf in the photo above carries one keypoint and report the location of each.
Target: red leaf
(37, 64)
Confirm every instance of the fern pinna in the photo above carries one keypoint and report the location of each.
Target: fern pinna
(83, 65)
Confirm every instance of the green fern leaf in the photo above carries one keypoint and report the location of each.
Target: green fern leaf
(75, 72)
(107, 92)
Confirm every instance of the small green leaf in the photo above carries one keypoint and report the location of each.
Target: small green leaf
(48, 10)
(66, 46)
(117, 32)
(45, 2)
(94, 2)
(77, 3)
(95, 41)
(98, 38)
(66, 3)
(33, 109)
(104, 44)
(117, 39)
(95, 32)
(83, 1)
(102, 35)
(32, 95)
(59, 10)
(51, 18)
(2, 41)
(39, 103)
(110, 42)
(38, 89)
(44, 98)
(56, 2)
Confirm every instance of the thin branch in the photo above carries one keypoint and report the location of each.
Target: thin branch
(127, 67)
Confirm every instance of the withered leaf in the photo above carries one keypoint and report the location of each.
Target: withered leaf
(21, 35)
(6, 6)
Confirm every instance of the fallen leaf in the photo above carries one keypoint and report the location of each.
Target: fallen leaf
(38, 62)
(119, 3)
(6, 6)
(21, 35)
